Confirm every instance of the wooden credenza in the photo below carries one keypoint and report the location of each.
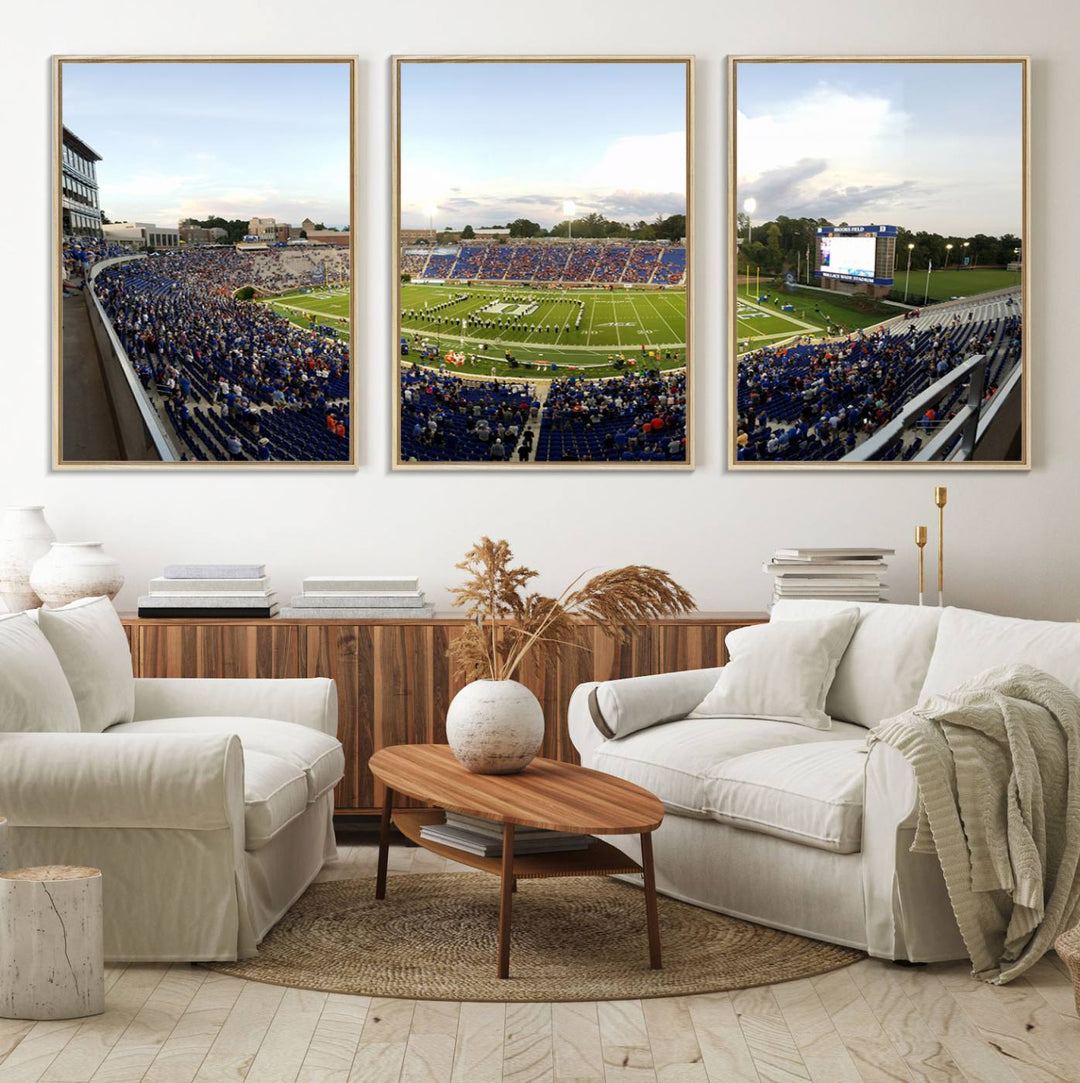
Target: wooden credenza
(393, 678)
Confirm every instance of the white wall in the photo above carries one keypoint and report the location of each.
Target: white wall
(1012, 537)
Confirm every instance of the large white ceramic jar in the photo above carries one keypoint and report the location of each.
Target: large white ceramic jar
(74, 570)
(495, 727)
(25, 537)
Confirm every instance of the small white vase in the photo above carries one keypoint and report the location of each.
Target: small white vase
(25, 537)
(74, 570)
(495, 727)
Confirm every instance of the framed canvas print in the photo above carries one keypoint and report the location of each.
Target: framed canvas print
(203, 248)
(878, 263)
(543, 271)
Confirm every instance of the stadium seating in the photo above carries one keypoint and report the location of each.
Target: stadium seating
(642, 263)
(611, 266)
(219, 369)
(413, 262)
(640, 417)
(439, 265)
(630, 263)
(524, 262)
(671, 268)
(818, 402)
(468, 262)
(447, 418)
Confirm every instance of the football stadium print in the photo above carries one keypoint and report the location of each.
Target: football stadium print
(542, 263)
(205, 265)
(878, 263)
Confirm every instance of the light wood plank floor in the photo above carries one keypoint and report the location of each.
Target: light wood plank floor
(872, 1021)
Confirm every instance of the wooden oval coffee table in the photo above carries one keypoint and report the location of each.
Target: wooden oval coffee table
(547, 794)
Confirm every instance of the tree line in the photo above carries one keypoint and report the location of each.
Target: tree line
(782, 245)
(589, 226)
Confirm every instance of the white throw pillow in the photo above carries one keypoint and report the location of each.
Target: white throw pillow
(34, 693)
(885, 664)
(93, 650)
(970, 642)
(781, 671)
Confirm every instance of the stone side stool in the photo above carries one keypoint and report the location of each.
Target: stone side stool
(52, 954)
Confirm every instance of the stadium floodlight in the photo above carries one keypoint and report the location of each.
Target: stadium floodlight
(569, 208)
(907, 279)
(967, 245)
(749, 206)
(948, 249)
(431, 210)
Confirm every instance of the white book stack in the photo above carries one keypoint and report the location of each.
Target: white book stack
(210, 590)
(848, 575)
(484, 837)
(360, 597)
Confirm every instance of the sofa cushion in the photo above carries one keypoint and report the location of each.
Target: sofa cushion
(808, 793)
(34, 693)
(317, 754)
(624, 706)
(93, 650)
(781, 671)
(679, 761)
(275, 793)
(970, 642)
(886, 662)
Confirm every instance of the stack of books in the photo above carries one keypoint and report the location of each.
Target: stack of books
(849, 575)
(210, 590)
(484, 837)
(361, 597)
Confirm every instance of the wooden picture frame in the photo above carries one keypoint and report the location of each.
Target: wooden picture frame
(474, 367)
(114, 416)
(974, 414)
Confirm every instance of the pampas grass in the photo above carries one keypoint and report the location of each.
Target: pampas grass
(508, 622)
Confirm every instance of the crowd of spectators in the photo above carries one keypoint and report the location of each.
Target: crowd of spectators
(636, 263)
(445, 418)
(808, 402)
(639, 417)
(260, 376)
(79, 254)
(275, 270)
(642, 263)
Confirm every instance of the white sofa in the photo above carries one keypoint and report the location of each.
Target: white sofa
(207, 804)
(804, 829)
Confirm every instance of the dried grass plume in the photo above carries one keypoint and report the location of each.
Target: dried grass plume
(508, 622)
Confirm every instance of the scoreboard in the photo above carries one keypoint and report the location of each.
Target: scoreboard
(857, 254)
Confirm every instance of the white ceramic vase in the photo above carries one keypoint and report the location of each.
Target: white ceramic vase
(74, 570)
(495, 727)
(25, 537)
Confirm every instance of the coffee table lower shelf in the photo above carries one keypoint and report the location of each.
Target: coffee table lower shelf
(599, 859)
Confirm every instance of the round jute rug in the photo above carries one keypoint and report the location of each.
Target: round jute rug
(434, 938)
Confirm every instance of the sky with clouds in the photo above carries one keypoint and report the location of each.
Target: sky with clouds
(485, 143)
(197, 139)
(934, 147)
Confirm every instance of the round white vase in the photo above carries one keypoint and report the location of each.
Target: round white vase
(495, 727)
(25, 537)
(74, 570)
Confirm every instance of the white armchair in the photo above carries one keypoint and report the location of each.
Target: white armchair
(208, 806)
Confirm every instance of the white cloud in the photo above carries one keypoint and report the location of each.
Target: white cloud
(643, 163)
(858, 130)
(147, 186)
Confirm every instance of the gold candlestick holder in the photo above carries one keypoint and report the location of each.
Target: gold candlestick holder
(941, 495)
(920, 541)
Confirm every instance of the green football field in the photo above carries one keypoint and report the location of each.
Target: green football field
(543, 326)
(330, 307)
(947, 284)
